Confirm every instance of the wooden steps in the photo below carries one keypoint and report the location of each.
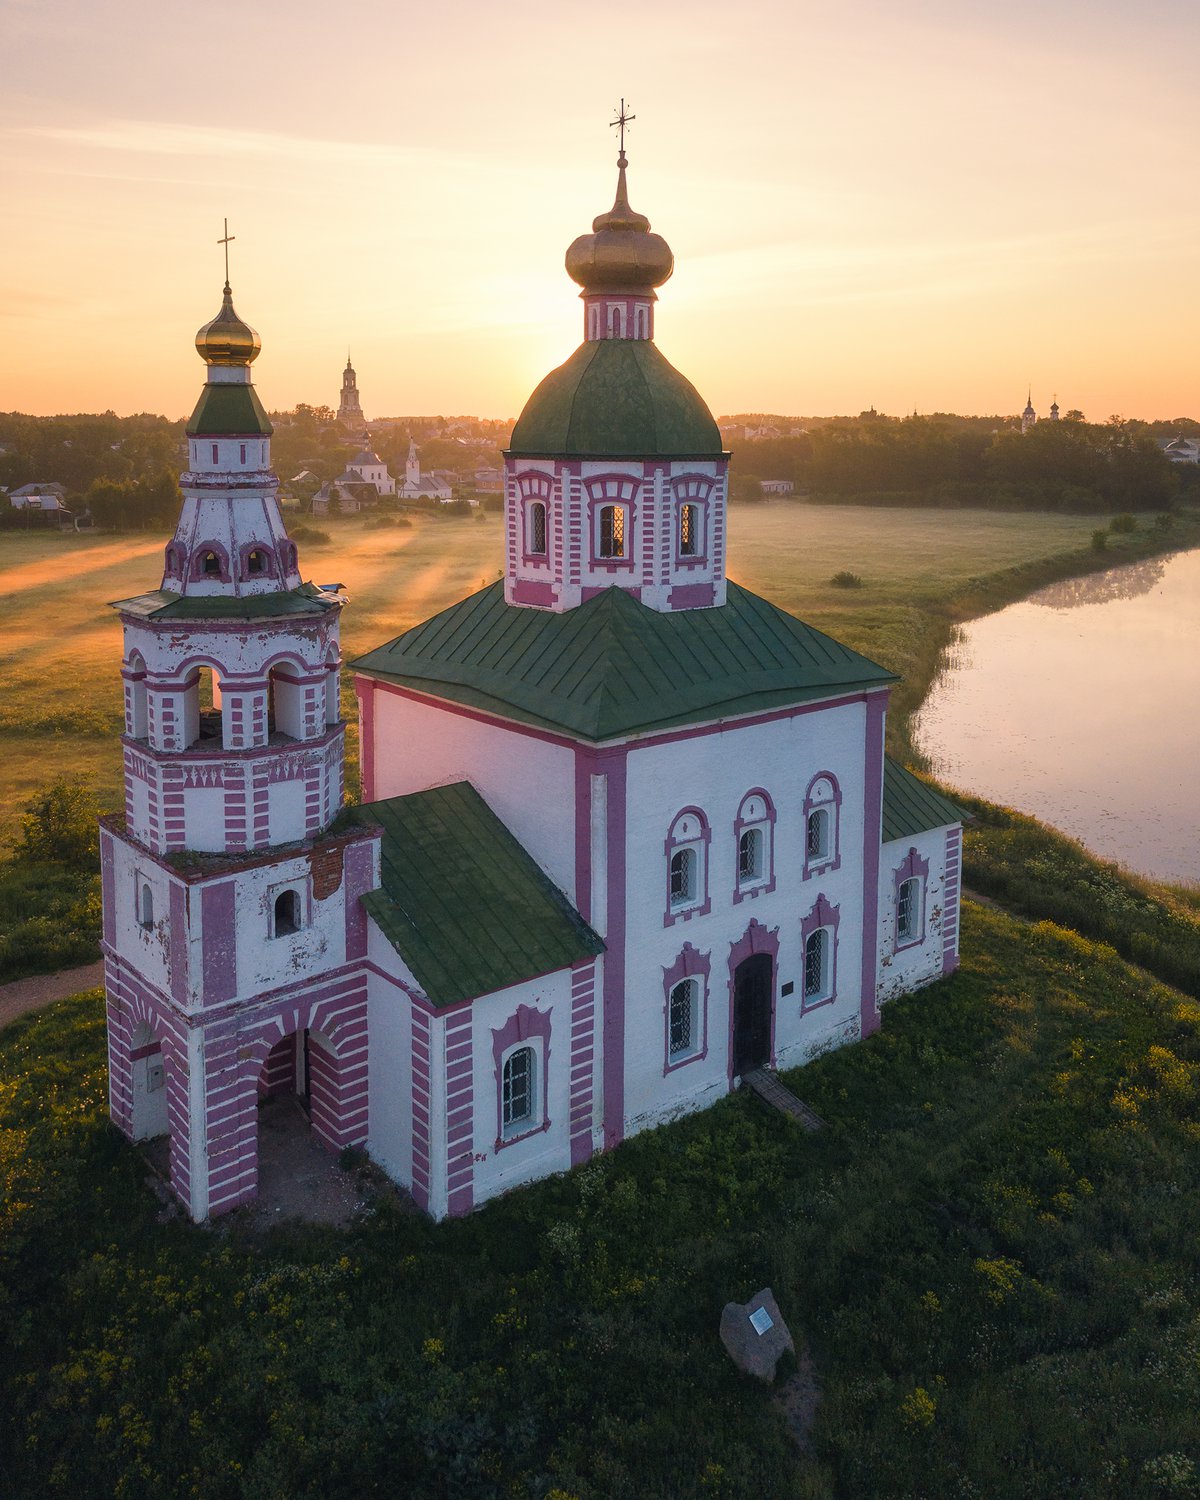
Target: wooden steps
(769, 1089)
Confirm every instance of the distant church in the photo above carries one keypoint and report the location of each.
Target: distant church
(350, 412)
(1029, 417)
(628, 830)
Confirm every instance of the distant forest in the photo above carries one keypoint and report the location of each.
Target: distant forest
(125, 469)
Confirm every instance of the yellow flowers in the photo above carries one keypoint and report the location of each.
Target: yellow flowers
(1001, 1278)
(918, 1408)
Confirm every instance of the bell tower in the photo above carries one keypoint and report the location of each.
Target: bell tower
(350, 412)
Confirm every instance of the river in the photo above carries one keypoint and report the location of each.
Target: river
(1081, 705)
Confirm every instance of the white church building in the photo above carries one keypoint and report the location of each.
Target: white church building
(628, 830)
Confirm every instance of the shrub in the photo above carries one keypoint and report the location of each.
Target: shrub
(1164, 520)
(1099, 541)
(59, 827)
(309, 534)
(846, 580)
(1122, 523)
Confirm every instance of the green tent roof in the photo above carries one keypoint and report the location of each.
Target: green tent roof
(911, 805)
(613, 666)
(162, 604)
(463, 904)
(616, 398)
(229, 411)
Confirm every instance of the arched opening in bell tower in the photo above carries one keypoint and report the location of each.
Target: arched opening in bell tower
(285, 701)
(203, 710)
(137, 715)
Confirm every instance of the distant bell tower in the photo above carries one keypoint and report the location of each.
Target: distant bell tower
(350, 412)
(1028, 416)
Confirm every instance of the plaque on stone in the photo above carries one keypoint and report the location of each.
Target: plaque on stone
(755, 1334)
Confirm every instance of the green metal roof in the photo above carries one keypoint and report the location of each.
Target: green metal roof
(613, 666)
(464, 905)
(616, 398)
(163, 604)
(911, 805)
(229, 411)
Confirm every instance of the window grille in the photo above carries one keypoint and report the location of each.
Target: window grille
(517, 1089)
(683, 876)
(818, 834)
(537, 527)
(750, 854)
(688, 541)
(906, 911)
(814, 964)
(682, 1018)
(612, 531)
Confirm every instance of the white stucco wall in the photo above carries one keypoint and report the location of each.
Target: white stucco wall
(908, 967)
(389, 1031)
(714, 772)
(528, 782)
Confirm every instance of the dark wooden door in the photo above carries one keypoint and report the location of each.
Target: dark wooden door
(753, 982)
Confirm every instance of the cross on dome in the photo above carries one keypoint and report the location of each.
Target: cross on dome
(620, 123)
(225, 242)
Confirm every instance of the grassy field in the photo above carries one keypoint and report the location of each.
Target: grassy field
(992, 1252)
(60, 653)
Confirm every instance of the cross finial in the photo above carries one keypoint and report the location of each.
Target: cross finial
(620, 123)
(225, 242)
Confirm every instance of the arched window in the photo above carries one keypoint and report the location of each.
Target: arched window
(755, 833)
(818, 933)
(689, 530)
(816, 965)
(137, 718)
(682, 1028)
(146, 906)
(285, 702)
(687, 866)
(750, 856)
(287, 913)
(908, 900)
(822, 811)
(519, 1091)
(256, 561)
(612, 531)
(616, 321)
(537, 527)
(210, 565)
(684, 868)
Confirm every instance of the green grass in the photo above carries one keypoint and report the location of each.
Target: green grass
(992, 1251)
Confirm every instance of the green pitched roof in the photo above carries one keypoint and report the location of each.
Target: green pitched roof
(910, 805)
(463, 904)
(229, 411)
(616, 398)
(162, 604)
(613, 666)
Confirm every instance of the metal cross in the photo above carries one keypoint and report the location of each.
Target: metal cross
(620, 122)
(225, 242)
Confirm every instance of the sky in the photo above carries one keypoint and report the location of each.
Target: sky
(929, 206)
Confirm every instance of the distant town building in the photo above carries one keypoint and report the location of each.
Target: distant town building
(777, 486)
(47, 500)
(418, 486)
(350, 412)
(490, 481)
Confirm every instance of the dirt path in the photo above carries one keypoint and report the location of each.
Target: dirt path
(24, 995)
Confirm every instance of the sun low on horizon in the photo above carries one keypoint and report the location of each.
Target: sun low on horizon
(930, 208)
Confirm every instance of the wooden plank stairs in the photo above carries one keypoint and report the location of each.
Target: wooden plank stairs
(767, 1086)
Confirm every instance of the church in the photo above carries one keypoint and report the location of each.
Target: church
(628, 831)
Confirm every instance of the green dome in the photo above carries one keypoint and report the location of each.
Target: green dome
(616, 398)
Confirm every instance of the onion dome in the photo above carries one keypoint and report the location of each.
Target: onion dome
(620, 255)
(227, 340)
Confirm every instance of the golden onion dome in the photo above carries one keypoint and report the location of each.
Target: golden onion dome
(620, 255)
(227, 340)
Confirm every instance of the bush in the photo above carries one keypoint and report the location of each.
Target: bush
(1122, 523)
(59, 827)
(846, 580)
(309, 534)
(1099, 541)
(1164, 520)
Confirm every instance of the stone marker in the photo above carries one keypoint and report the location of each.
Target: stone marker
(755, 1334)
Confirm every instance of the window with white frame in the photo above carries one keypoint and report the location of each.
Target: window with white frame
(518, 1091)
(822, 809)
(754, 830)
(687, 864)
(908, 909)
(683, 1030)
(612, 507)
(817, 965)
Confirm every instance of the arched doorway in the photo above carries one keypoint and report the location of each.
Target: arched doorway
(753, 1000)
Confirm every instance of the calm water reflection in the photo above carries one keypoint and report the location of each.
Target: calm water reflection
(1081, 705)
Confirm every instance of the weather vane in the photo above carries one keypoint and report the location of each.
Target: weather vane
(229, 237)
(620, 123)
